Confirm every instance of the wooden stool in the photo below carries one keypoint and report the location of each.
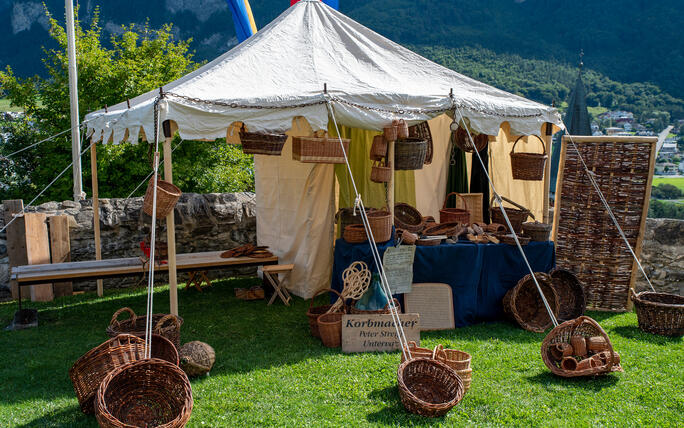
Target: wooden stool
(196, 278)
(271, 274)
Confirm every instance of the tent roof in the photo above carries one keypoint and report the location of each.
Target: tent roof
(279, 73)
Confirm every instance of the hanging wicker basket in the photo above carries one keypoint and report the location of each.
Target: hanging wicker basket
(402, 129)
(257, 143)
(409, 154)
(582, 327)
(380, 173)
(378, 149)
(528, 166)
(659, 313)
(524, 305)
(462, 140)
(459, 215)
(144, 393)
(319, 149)
(570, 293)
(390, 131)
(315, 311)
(408, 218)
(537, 231)
(422, 132)
(428, 387)
(167, 197)
(516, 215)
(166, 325)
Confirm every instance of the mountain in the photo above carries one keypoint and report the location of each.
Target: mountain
(627, 41)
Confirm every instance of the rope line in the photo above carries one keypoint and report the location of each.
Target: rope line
(36, 144)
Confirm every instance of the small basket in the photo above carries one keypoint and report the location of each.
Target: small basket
(422, 131)
(330, 328)
(385, 310)
(406, 237)
(459, 215)
(380, 173)
(378, 149)
(166, 325)
(448, 229)
(409, 154)
(570, 293)
(516, 216)
(380, 222)
(528, 166)
(150, 392)
(426, 242)
(524, 305)
(428, 387)
(462, 140)
(408, 218)
(390, 132)
(354, 234)
(319, 149)
(659, 313)
(584, 327)
(257, 143)
(537, 231)
(507, 238)
(167, 197)
(315, 311)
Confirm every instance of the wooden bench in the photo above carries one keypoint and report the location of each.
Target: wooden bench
(271, 273)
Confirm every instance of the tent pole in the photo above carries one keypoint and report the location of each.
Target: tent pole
(170, 224)
(548, 134)
(96, 211)
(390, 185)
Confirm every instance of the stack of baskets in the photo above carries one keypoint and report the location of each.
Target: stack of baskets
(457, 360)
(327, 331)
(659, 313)
(166, 325)
(524, 305)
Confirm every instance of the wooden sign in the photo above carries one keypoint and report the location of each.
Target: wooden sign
(377, 332)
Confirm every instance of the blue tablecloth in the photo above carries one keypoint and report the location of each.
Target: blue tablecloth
(479, 274)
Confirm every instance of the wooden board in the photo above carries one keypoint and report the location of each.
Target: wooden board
(60, 250)
(587, 241)
(374, 333)
(38, 251)
(16, 239)
(434, 303)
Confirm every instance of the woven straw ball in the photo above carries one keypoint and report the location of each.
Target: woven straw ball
(196, 358)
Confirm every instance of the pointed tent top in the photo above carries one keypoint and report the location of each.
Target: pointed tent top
(279, 73)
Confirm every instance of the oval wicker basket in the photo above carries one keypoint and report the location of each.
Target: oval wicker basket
(166, 325)
(516, 215)
(537, 231)
(528, 166)
(144, 393)
(584, 327)
(378, 148)
(167, 197)
(659, 313)
(380, 173)
(408, 218)
(524, 305)
(570, 293)
(409, 154)
(448, 229)
(459, 215)
(257, 143)
(315, 311)
(428, 387)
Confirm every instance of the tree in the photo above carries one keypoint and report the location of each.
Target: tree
(666, 191)
(139, 60)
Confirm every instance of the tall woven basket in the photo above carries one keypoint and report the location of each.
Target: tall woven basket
(330, 329)
(409, 154)
(524, 305)
(315, 311)
(428, 387)
(167, 197)
(166, 325)
(144, 393)
(528, 166)
(659, 313)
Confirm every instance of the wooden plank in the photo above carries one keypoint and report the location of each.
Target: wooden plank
(377, 332)
(96, 211)
(38, 251)
(16, 239)
(60, 250)
(89, 264)
(171, 233)
(278, 268)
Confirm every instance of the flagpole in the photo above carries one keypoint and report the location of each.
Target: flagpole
(73, 97)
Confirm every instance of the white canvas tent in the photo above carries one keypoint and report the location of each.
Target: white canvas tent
(275, 80)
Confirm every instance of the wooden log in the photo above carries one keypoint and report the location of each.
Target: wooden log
(16, 239)
(171, 232)
(96, 211)
(60, 250)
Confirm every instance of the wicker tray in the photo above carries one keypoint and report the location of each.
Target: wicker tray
(524, 305)
(659, 313)
(408, 218)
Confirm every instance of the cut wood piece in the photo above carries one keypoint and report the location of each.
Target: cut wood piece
(434, 303)
(16, 239)
(38, 251)
(60, 250)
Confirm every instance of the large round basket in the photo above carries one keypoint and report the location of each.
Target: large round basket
(144, 393)
(385, 310)
(428, 387)
(524, 305)
(528, 166)
(408, 218)
(330, 329)
(659, 313)
(166, 325)
(459, 215)
(516, 215)
(570, 293)
(584, 327)
(409, 154)
(167, 197)
(537, 231)
(315, 311)
(257, 143)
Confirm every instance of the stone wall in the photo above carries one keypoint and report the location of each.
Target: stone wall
(215, 221)
(663, 256)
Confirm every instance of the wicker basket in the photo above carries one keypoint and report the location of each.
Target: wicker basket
(462, 141)
(380, 173)
(659, 313)
(150, 392)
(426, 242)
(570, 293)
(167, 197)
(428, 387)
(516, 215)
(380, 222)
(330, 329)
(537, 231)
(354, 234)
(524, 305)
(402, 129)
(385, 310)
(447, 229)
(166, 325)
(319, 149)
(257, 143)
(163, 349)
(315, 311)
(406, 237)
(459, 215)
(507, 238)
(408, 218)
(345, 217)
(584, 327)
(409, 154)
(417, 352)
(378, 149)
(457, 360)
(528, 166)
(422, 131)
(197, 358)
(390, 132)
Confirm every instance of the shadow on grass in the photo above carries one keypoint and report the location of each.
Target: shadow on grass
(635, 333)
(394, 412)
(595, 383)
(67, 417)
(503, 331)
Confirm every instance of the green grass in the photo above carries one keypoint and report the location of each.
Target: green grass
(5, 106)
(675, 181)
(270, 371)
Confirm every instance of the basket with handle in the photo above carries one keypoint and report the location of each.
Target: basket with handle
(380, 173)
(315, 311)
(319, 149)
(409, 154)
(570, 293)
(167, 197)
(378, 149)
(345, 217)
(462, 140)
(408, 218)
(258, 143)
(422, 131)
(659, 313)
(166, 325)
(524, 305)
(459, 215)
(457, 360)
(516, 215)
(390, 131)
(330, 328)
(528, 166)
(428, 387)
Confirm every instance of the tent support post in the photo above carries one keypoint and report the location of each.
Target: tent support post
(96, 211)
(390, 185)
(548, 134)
(171, 231)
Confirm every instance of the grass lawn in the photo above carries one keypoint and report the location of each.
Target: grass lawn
(675, 181)
(5, 106)
(270, 371)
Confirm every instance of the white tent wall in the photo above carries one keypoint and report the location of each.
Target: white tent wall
(431, 181)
